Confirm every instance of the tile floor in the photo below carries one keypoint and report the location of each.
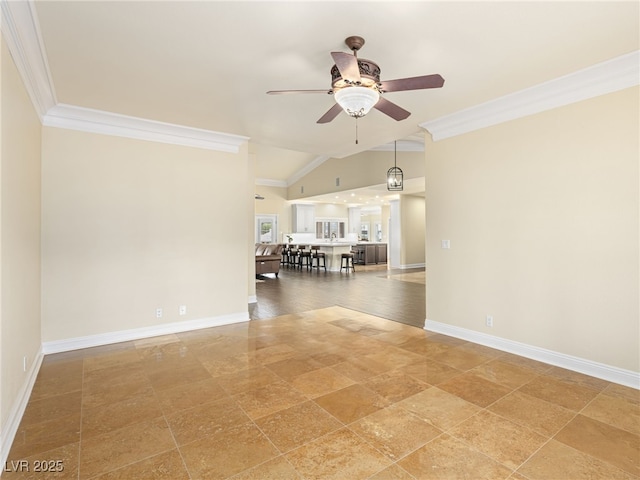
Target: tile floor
(330, 393)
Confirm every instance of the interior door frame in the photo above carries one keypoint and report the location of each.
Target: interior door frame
(263, 218)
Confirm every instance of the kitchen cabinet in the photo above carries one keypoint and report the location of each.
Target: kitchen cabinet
(303, 218)
(370, 253)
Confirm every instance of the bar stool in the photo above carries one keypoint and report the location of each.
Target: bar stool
(304, 256)
(346, 261)
(292, 253)
(285, 255)
(316, 255)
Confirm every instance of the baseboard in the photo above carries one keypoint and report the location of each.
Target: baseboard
(407, 266)
(599, 370)
(77, 343)
(253, 299)
(17, 410)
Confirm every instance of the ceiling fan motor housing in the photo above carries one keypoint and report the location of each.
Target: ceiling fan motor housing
(369, 74)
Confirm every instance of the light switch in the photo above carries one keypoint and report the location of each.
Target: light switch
(446, 244)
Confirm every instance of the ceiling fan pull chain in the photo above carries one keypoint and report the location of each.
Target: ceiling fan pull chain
(356, 130)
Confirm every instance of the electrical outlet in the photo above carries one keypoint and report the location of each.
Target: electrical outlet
(183, 310)
(489, 321)
(158, 313)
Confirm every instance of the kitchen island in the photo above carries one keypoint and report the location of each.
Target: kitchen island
(333, 253)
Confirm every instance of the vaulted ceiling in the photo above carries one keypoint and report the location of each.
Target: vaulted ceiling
(209, 64)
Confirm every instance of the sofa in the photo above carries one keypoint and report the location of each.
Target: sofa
(268, 258)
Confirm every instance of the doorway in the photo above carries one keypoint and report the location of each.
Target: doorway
(266, 229)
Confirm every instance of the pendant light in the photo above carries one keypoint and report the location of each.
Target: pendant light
(394, 174)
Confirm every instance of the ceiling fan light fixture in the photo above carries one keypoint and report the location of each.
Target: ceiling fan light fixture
(357, 101)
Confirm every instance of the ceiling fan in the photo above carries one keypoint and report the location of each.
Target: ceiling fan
(356, 86)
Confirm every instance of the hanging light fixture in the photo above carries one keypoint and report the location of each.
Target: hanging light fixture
(394, 174)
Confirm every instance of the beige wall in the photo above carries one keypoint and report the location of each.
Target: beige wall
(20, 236)
(357, 171)
(129, 226)
(412, 224)
(543, 218)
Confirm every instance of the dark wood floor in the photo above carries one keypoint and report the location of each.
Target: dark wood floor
(371, 289)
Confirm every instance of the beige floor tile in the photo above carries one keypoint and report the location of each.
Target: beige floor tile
(302, 377)
(155, 341)
(44, 436)
(460, 359)
(524, 362)
(567, 395)
(106, 418)
(506, 442)
(441, 409)
(61, 464)
(49, 408)
(320, 382)
(395, 385)
(56, 378)
(617, 411)
(115, 388)
(215, 457)
(167, 465)
(617, 447)
(206, 419)
(230, 364)
(475, 389)
(119, 448)
(297, 425)
(539, 415)
(290, 368)
(556, 460)
(392, 472)
(275, 353)
(395, 431)
(410, 343)
(395, 356)
(246, 380)
(503, 373)
(339, 455)
(113, 360)
(269, 399)
(577, 378)
(177, 375)
(430, 371)
(276, 469)
(359, 368)
(445, 458)
(330, 357)
(189, 395)
(351, 403)
(630, 394)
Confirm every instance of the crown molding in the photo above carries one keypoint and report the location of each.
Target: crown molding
(268, 182)
(606, 77)
(106, 123)
(21, 31)
(308, 168)
(402, 146)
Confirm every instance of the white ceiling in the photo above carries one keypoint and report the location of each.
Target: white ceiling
(208, 64)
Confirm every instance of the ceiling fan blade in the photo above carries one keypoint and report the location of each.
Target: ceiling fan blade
(413, 83)
(331, 114)
(347, 65)
(284, 92)
(389, 108)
